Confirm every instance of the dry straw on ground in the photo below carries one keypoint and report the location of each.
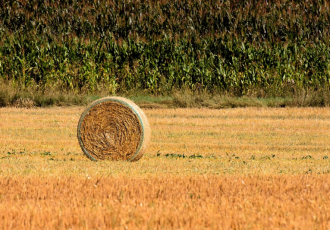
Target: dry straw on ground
(113, 128)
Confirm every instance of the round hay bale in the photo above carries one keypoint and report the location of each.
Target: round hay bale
(113, 128)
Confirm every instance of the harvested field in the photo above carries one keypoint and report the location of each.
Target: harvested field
(241, 168)
(166, 202)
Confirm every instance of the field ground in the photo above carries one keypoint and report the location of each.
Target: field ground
(246, 168)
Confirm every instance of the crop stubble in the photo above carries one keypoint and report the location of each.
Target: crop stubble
(261, 168)
(166, 202)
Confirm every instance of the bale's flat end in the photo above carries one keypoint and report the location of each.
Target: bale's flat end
(113, 128)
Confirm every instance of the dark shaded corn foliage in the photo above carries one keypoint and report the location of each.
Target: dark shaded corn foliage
(233, 46)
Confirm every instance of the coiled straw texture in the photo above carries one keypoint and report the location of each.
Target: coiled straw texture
(113, 128)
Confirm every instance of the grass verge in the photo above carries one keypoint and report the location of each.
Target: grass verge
(28, 97)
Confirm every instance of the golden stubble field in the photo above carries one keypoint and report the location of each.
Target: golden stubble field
(247, 168)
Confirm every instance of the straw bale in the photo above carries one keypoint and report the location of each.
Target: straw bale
(113, 128)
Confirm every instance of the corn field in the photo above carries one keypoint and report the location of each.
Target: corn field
(226, 46)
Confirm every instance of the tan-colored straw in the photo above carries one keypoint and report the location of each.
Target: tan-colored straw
(113, 128)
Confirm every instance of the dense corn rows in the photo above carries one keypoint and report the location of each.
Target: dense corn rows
(232, 46)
